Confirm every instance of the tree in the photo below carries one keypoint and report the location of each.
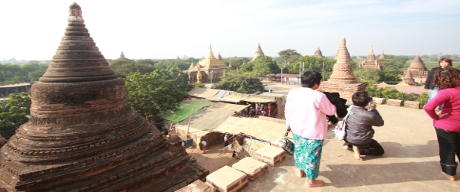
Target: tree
(13, 113)
(366, 74)
(311, 63)
(123, 66)
(239, 82)
(288, 55)
(263, 66)
(153, 93)
(390, 75)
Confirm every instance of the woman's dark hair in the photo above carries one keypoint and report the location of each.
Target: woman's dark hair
(310, 78)
(448, 77)
(361, 98)
(447, 60)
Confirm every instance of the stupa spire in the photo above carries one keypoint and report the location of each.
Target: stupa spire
(318, 53)
(342, 71)
(211, 54)
(258, 52)
(77, 59)
(371, 55)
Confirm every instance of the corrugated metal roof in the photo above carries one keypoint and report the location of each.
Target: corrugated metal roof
(203, 92)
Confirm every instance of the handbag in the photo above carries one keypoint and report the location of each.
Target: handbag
(341, 127)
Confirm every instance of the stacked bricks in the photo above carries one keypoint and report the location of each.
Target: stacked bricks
(378, 100)
(198, 186)
(270, 154)
(251, 167)
(227, 179)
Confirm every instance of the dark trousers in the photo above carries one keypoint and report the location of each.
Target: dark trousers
(372, 148)
(449, 147)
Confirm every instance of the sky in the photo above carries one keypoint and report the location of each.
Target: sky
(32, 29)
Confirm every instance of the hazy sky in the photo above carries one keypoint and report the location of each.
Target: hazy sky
(32, 29)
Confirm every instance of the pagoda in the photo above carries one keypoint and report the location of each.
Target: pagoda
(258, 53)
(371, 62)
(211, 69)
(318, 53)
(408, 79)
(342, 79)
(417, 69)
(82, 134)
(382, 56)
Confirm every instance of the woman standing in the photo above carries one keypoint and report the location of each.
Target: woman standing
(429, 84)
(305, 112)
(447, 122)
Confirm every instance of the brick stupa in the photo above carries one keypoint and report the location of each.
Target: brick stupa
(82, 134)
(417, 69)
(342, 79)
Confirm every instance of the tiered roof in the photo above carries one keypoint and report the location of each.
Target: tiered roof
(318, 53)
(417, 64)
(258, 52)
(342, 71)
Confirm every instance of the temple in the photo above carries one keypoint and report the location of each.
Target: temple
(417, 69)
(382, 56)
(122, 55)
(258, 53)
(82, 134)
(211, 68)
(342, 79)
(318, 53)
(408, 79)
(371, 62)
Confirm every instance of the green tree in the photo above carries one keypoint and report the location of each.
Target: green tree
(390, 75)
(263, 66)
(239, 82)
(13, 113)
(153, 93)
(123, 66)
(288, 56)
(366, 75)
(311, 63)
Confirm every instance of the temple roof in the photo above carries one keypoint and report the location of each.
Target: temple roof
(122, 55)
(211, 61)
(382, 56)
(258, 52)
(342, 71)
(371, 55)
(219, 57)
(77, 59)
(318, 53)
(417, 64)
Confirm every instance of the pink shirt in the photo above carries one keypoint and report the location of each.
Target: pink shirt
(306, 111)
(451, 99)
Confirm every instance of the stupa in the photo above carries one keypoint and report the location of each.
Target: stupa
(371, 62)
(342, 79)
(211, 69)
(382, 56)
(258, 53)
(408, 79)
(417, 69)
(318, 53)
(82, 134)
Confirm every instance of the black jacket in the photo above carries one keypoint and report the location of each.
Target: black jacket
(430, 78)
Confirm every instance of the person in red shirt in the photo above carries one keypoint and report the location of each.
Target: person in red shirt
(447, 121)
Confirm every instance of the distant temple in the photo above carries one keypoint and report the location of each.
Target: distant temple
(408, 79)
(371, 62)
(342, 79)
(122, 55)
(382, 56)
(318, 53)
(417, 69)
(82, 134)
(210, 69)
(258, 53)
(219, 57)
